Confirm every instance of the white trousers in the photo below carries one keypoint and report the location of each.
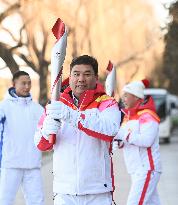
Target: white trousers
(89, 199)
(29, 179)
(144, 189)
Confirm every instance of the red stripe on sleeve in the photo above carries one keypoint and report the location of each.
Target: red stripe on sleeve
(150, 157)
(95, 134)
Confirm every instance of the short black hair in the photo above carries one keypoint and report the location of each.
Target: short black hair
(86, 60)
(19, 73)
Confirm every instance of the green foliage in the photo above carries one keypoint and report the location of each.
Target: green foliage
(170, 57)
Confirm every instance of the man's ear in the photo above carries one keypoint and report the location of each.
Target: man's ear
(13, 83)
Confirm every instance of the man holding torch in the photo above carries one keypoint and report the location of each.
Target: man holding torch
(83, 122)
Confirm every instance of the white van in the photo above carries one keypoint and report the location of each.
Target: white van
(164, 102)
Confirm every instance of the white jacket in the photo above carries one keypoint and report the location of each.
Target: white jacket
(81, 159)
(19, 119)
(141, 142)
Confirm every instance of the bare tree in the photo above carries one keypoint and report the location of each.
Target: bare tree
(33, 57)
(10, 10)
(106, 29)
(36, 58)
(6, 52)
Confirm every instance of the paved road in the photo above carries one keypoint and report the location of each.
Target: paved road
(168, 186)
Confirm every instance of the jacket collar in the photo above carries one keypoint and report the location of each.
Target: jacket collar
(86, 98)
(12, 96)
(142, 104)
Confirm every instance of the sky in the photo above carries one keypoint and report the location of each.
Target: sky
(160, 11)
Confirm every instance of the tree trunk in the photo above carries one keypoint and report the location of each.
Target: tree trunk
(43, 73)
(7, 56)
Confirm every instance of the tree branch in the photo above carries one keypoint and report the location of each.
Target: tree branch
(7, 55)
(11, 9)
(127, 60)
(27, 61)
(137, 55)
(45, 41)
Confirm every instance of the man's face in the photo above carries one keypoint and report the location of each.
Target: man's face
(22, 85)
(82, 78)
(129, 100)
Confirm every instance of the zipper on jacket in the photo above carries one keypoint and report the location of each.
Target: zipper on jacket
(77, 152)
(105, 181)
(77, 163)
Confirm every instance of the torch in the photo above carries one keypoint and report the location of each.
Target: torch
(110, 82)
(57, 59)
